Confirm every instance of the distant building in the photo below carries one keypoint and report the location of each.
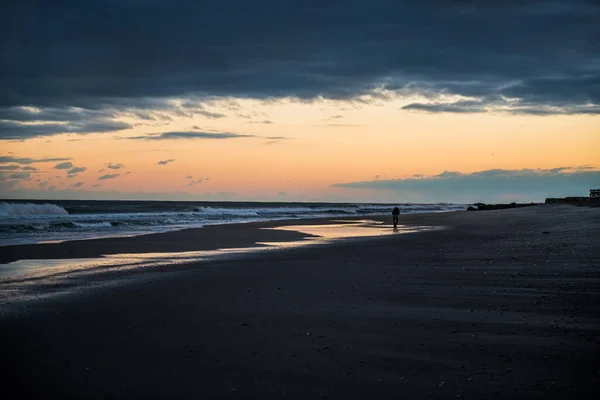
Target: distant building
(594, 192)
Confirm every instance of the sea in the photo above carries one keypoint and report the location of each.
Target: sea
(28, 221)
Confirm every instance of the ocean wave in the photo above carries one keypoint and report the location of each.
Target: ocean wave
(227, 211)
(31, 223)
(25, 210)
(92, 224)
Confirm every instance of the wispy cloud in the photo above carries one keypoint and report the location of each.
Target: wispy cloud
(451, 107)
(64, 165)
(333, 117)
(27, 160)
(194, 182)
(73, 172)
(115, 166)
(501, 105)
(108, 176)
(190, 135)
(275, 139)
(344, 125)
(20, 175)
(208, 114)
(265, 122)
(165, 162)
(16, 130)
(76, 170)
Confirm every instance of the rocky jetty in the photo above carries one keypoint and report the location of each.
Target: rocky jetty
(486, 207)
(576, 201)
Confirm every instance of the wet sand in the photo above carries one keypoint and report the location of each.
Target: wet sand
(498, 304)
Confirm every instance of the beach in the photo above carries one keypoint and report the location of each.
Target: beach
(485, 304)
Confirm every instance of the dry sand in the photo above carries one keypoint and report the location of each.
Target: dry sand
(499, 304)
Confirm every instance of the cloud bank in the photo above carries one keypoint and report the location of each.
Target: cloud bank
(536, 56)
(494, 185)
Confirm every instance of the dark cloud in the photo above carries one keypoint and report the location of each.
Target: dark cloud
(64, 165)
(165, 162)
(541, 111)
(211, 115)
(76, 170)
(128, 52)
(454, 107)
(28, 114)
(559, 90)
(491, 185)
(500, 105)
(27, 160)
(8, 168)
(115, 166)
(18, 130)
(20, 175)
(77, 184)
(19, 122)
(108, 176)
(191, 135)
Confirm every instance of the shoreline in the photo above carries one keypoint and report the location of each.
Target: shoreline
(501, 304)
(78, 266)
(208, 237)
(53, 222)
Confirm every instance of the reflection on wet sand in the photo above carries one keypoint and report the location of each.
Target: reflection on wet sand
(26, 279)
(354, 229)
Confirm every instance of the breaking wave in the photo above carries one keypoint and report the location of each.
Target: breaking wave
(24, 210)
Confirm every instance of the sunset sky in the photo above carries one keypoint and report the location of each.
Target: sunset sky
(379, 101)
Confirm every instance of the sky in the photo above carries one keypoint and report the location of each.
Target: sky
(313, 100)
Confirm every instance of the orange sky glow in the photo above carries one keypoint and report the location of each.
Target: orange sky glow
(296, 150)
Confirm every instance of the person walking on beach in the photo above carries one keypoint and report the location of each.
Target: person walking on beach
(395, 214)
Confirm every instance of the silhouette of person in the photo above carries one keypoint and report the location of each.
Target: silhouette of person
(395, 214)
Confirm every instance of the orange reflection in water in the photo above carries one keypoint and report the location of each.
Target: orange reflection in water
(35, 279)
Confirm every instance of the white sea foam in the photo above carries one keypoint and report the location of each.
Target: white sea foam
(92, 224)
(226, 211)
